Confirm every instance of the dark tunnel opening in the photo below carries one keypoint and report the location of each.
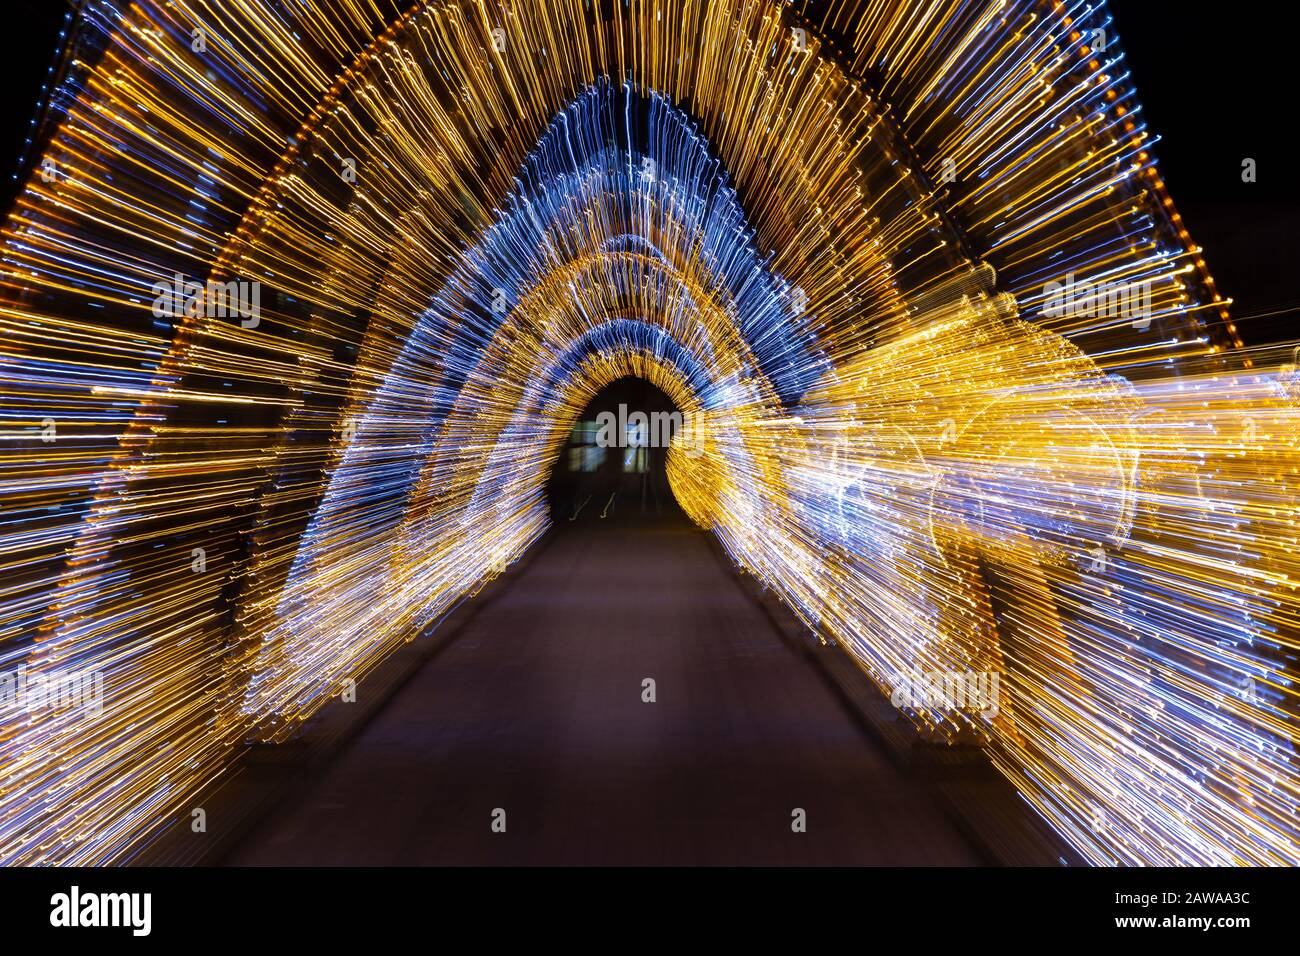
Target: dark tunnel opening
(613, 465)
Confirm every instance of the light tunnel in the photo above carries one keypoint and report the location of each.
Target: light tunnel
(829, 233)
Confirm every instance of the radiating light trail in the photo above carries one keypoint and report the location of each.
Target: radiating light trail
(965, 395)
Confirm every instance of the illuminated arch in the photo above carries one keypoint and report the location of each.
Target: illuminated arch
(897, 188)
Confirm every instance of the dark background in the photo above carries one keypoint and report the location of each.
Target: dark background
(1216, 84)
(28, 46)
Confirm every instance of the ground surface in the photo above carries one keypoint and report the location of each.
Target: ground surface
(536, 708)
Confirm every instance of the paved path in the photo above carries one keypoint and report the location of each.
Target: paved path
(536, 708)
